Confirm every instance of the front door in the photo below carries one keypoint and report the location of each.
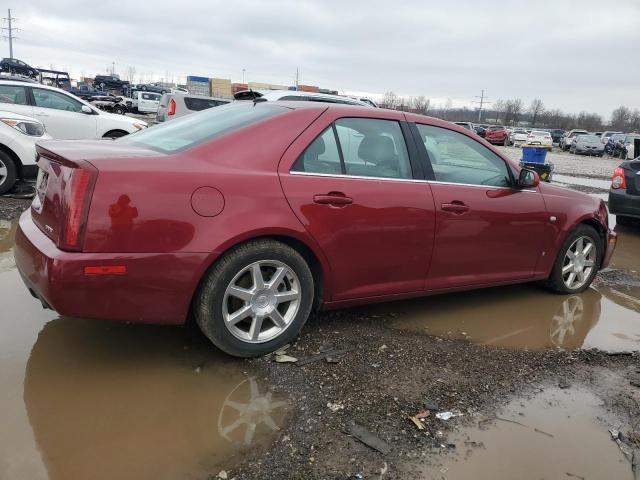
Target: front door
(62, 115)
(486, 230)
(353, 189)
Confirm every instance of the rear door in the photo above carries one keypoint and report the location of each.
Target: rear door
(62, 115)
(351, 183)
(14, 98)
(486, 231)
(148, 102)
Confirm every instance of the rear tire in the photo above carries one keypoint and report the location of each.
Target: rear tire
(8, 173)
(268, 323)
(558, 281)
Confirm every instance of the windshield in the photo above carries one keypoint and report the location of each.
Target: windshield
(519, 130)
(589, 139)
(191, 130)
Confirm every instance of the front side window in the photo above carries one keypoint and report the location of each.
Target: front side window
(456, 158)
(13, 94)
(367, 148)
(55, 100)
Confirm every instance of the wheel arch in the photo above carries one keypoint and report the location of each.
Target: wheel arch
(115, 130)
(14, 156)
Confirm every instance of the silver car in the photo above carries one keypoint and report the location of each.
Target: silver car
(174, 105)
(587, 145)
(296, 95)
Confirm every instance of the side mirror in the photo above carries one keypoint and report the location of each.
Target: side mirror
(86, 109)
(528, 178)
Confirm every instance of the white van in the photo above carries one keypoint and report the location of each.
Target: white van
(148, 102)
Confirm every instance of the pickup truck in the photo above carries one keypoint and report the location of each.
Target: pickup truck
(87, 92)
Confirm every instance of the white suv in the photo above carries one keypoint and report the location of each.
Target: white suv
(64, 115)
(18, 137)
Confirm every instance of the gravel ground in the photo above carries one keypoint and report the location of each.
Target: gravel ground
(577, 165)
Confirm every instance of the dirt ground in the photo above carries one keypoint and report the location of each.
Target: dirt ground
(76, 391)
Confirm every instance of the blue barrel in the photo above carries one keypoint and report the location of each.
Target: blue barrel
(534, 154)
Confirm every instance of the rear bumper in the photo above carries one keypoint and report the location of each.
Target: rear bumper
(621, 203)
(156, 288)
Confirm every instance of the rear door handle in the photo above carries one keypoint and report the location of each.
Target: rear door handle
(456, 207)
(333, 198)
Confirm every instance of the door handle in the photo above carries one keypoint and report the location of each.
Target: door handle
(456, 207)
(333, 198)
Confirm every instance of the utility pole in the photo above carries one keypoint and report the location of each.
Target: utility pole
(10, 32)
(297, 77)
(113, 68)
(243, 70)
(482, 101)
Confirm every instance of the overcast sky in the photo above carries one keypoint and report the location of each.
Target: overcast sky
(575, 55)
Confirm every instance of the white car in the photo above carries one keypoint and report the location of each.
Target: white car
(147, 102)
(64, 115)
(569, 137)
(518, 137)
(18, 137)
(540, 138)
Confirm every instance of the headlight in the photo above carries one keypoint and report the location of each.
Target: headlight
(28, 127)
(139, 126)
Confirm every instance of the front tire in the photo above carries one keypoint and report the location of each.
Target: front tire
(578, 261)
(255, 299)
(8, 173)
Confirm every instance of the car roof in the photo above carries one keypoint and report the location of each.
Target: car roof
(277, 94)
(35, 84)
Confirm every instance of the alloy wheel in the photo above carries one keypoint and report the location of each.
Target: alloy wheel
(261, 301)
(4, 172)
(579, 262)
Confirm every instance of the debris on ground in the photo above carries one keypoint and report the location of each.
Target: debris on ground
(334, 407)
(448, 415)
(285, 359)
(368, 438)
(417, 422)
(321, 356)
(564, 383)
(223, 475)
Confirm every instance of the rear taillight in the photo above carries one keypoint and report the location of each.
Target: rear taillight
(77, 199)
(172, 107)
(618, 181)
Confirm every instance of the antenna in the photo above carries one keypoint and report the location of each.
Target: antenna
(482, 101)
(10, 31)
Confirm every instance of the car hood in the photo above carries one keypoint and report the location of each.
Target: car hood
(17, 116)
(565, 192)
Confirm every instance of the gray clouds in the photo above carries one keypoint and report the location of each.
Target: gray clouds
(574, 55)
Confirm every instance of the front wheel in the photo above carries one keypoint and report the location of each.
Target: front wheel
(578, 261)
(255, 299)
(8, 173)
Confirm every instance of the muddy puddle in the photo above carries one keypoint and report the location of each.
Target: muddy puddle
(556, 434)
(606, 316)
(88, 399)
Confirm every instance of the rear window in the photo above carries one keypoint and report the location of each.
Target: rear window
(199, 104)
(494, 129)
(191, 130)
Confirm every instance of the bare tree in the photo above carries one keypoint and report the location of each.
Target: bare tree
(535, 110)
(390, 100)
(421, 105)
(131, 73)
(620, 118)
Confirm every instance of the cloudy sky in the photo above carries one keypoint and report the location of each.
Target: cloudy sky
(575, 55)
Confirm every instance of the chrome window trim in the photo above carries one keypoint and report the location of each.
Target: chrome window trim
(408, 180)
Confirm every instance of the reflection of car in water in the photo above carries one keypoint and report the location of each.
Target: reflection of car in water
(109, 401)
(7, 233)
(515, 317)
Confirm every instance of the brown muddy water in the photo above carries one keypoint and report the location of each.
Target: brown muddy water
(557, 434)
(87, 399)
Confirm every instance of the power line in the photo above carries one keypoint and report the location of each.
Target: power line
(482, 101)
(10, 32)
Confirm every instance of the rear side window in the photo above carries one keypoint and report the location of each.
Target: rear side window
(150, 96)
(191, 130)
(199, 104)
(365, 148)
(456, 158)
(13, 94)
(55, 100)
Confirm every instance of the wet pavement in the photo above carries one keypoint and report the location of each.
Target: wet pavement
(89, 399)
(556, 434)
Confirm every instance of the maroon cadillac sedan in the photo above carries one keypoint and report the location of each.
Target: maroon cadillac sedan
(250, 215)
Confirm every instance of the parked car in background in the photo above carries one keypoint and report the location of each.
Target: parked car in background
(87, 92)
(624, 194)
(294, 95)
(604, 138)
(18, 67)
(175, 105)
(569, 137)
(587, 145)
(518, 137)
(597, 134)
(612, 147)
(110, 82)
(64, 115)
(627, 147)
(467, 125)
(180, 90)
(540, 138)
(480, 130)
(243, 216)
(156, 87)
(497, 135)
(18, 137)
(556, 134)
(147, 102)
